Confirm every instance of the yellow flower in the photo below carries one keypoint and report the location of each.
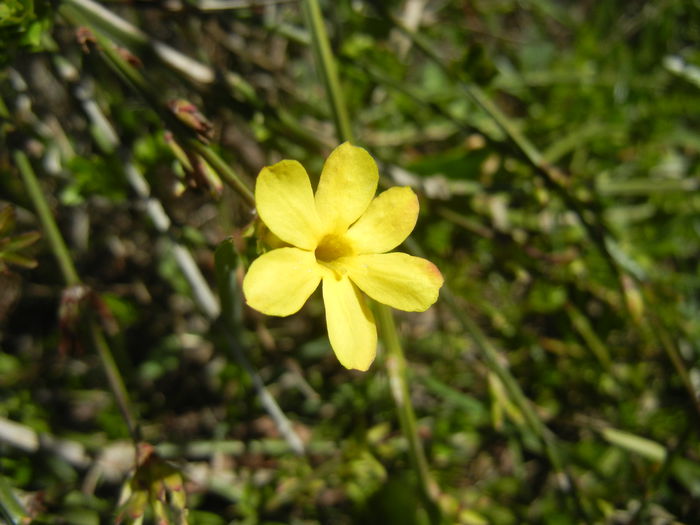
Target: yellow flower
(339, 236)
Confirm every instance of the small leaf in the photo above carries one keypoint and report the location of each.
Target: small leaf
(18, 260)
(637, 444)
(22, 241)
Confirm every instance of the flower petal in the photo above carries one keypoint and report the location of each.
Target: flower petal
(397, 279)
(285, 203)
(387, 222)
(280, 281)
(346, 187)
(350, 323)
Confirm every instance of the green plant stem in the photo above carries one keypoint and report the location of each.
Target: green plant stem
(328, 69)
(11, 510)
(396, 363)
(75, 12)
(51, 231)
(227, 174)
(102, 19)
(114, 378)
(397, 371)
(70, 275)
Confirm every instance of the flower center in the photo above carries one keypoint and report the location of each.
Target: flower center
(332, 247)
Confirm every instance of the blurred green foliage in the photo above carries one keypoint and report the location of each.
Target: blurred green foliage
(602, 334)
(23, 24)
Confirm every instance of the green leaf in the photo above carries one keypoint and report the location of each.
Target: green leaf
(15, 12)
(639, 445)
(21, 241)
(17, 259)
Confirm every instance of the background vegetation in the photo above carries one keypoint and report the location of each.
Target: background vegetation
(554, 146)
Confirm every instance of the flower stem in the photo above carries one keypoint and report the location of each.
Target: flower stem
(70, 275)
(396, 363)
(397, 371)
(327, 68)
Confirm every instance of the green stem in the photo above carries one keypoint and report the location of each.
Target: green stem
(398, 381)
(102, 19)
(327, 67)
(396, 363)
(70, 275)
(11, 510)
(48, 224)
(114, 379)
(227, 174)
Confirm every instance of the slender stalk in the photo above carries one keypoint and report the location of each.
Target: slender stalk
(118, 28)
(396, 362)
(397, 370)
(138, 81)
(114, 378)
(226, 172)
(327, 67)
(70, 275)
(51, 231)
(11, 510)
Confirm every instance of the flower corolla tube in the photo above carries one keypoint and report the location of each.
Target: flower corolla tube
(342, 237)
